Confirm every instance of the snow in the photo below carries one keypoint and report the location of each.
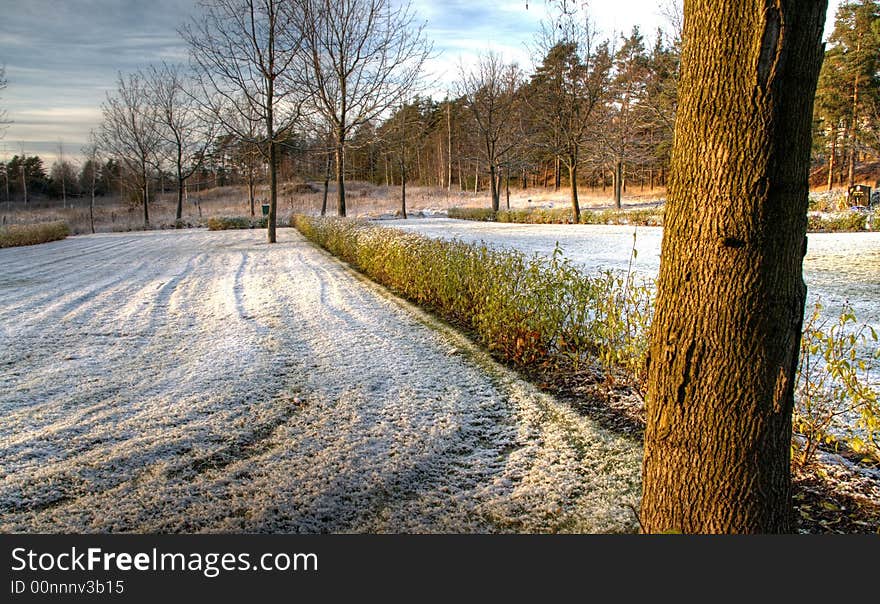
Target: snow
(839, 267)
(208, 382)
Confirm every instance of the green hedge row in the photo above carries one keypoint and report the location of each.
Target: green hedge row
(225, 223)
(526, 309)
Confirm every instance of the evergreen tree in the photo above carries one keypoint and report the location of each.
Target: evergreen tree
(849, 84)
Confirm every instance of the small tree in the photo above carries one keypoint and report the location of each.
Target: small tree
(566, 93)
(130, 132)
(185, 130)
(241, 51)
(90, 178)
(361, 58)
(490, 90)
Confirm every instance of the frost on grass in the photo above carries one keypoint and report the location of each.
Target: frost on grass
(193, 381)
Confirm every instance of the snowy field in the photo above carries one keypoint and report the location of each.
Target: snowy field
(839, 267)
(196, 381)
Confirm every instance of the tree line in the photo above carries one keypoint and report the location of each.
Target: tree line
(316, 89)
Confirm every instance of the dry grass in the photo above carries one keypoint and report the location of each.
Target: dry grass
(16, 235)
(362, 199)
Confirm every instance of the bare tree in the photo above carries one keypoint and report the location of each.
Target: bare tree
(91, 151)
(361, 59)
(241, 51)
(4, 120)
(490, 91)
(129, 132)
(184, 129)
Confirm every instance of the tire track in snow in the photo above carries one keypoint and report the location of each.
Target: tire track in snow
(221, 384)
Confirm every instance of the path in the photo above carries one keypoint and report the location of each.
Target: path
(195, 381)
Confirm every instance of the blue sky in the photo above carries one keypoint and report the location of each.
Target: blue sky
(62, 56)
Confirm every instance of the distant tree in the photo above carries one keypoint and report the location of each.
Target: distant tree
(27, 175)
(4, 171)
(62, 180)
(241, 51)
(850, 81)
(831, 112)
(660, 99)
(566, 93)
(186, 131)
(90, 177)
(730, 296)
(245, 152)
(4, 120)
(401, 135)
(361, 59)
(490, 90)
(624, 139)
(130, 132)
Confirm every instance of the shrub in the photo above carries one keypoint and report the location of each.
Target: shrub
(528, 310)
(835, 399)
(838, 222)
(235, 222)
(32, 234)
(479, 214)
(645, 217)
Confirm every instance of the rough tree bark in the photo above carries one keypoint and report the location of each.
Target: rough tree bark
(725, 337)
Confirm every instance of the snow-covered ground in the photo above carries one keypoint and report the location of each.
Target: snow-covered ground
(838, 267)
(196, 381)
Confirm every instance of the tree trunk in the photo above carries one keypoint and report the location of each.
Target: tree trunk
(92, 198)
(179, 214)
(575, 206)
(507, 185)
(145, 193)
(449, 144)
(832, 157)
(327, 181)
(250, 183)
(403, 189)
(730, 298)
(557, 173)
(618, 185)
(273, 188)
(340, 176)
(493, 188)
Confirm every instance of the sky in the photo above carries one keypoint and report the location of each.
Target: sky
(63, 56)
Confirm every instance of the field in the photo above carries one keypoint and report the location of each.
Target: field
(192, 381)
(113, 214)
